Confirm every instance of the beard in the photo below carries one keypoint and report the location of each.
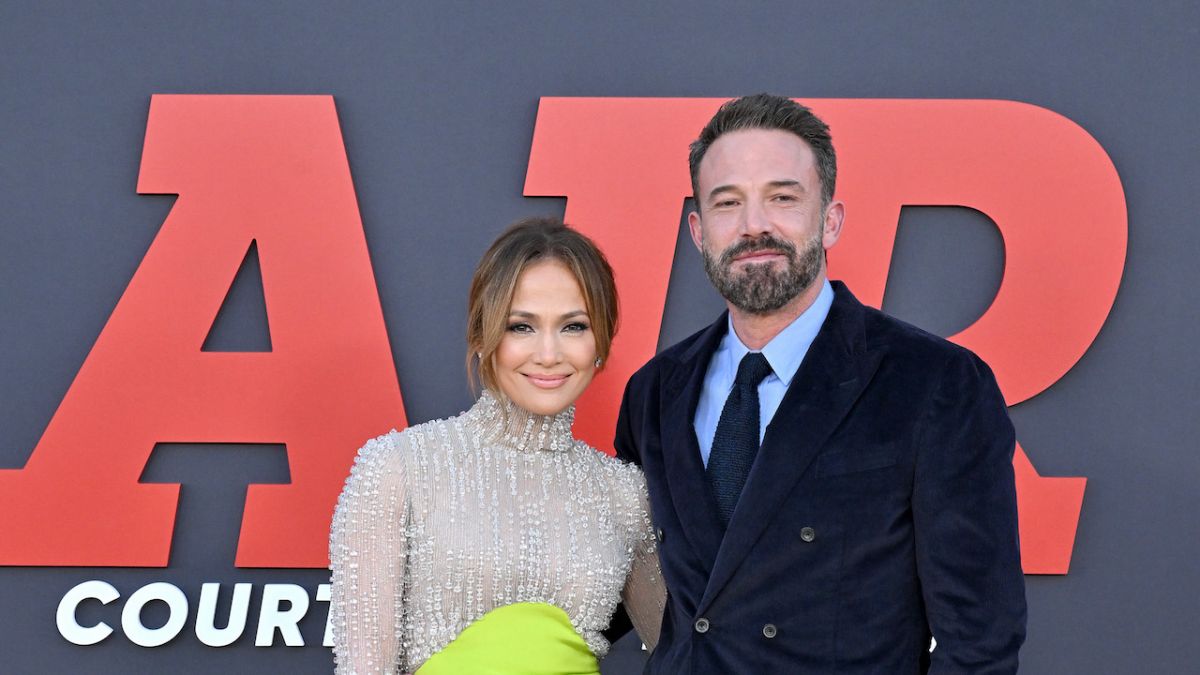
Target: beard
(762, 288)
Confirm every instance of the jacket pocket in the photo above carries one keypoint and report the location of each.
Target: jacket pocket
(842, 462)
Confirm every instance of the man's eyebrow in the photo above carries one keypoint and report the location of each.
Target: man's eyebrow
(721, 188)
(783, 183)
(787, 184)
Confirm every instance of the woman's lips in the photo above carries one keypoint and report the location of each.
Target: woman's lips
(546, 381)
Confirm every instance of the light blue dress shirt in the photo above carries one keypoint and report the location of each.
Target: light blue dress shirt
(784, 352)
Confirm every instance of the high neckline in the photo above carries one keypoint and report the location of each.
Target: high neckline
(510, 425)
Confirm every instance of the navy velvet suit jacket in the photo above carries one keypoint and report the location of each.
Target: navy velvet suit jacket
(880, 510)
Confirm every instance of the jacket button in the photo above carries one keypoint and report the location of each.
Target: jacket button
(659, 534)
(808, 534)
(770, 631)
(701, 625)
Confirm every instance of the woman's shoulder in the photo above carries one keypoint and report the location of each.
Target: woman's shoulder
(624, 476)
(380, 454)
(627, 490)
(413, 445)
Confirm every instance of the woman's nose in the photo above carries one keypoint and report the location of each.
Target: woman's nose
(548, 350)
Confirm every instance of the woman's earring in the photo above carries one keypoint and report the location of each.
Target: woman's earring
(599, 361)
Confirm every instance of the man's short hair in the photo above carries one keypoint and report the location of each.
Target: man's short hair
(767, 111)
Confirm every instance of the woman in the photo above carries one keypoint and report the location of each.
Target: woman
(494, 541)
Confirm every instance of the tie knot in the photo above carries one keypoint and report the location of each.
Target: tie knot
(752, 369)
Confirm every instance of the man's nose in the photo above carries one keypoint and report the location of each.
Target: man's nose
(755, 220)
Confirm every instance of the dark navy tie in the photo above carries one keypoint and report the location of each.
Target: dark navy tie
(736, 441)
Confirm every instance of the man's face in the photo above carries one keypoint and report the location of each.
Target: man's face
(760, 224)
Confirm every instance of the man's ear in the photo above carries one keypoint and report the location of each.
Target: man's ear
(834, 216)
(694, 227)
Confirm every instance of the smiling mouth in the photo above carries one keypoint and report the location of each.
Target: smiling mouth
(759, 256)
(546, 381)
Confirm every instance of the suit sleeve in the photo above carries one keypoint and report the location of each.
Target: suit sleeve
(965, 515)
(625, 441)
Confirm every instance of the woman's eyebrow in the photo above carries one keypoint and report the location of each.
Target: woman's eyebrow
(522, 314)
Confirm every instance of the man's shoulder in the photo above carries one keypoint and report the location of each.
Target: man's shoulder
(885, 331)
(671, 357)
(902, 343)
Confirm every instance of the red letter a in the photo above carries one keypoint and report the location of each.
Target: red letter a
(266, 168)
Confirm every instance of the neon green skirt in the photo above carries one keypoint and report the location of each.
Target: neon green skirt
(526, 638)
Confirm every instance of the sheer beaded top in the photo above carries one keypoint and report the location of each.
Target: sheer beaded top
(509, 425)
(447, 520)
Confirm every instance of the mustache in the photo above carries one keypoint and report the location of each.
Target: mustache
(763, 243)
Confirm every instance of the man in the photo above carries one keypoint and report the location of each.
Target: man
(831, 486)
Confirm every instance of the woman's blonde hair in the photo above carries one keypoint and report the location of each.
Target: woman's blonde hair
(524, 243)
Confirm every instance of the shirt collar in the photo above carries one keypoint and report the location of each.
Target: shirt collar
(786, 350)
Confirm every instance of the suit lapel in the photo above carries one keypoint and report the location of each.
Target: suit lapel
(833, 374)
(694, 503)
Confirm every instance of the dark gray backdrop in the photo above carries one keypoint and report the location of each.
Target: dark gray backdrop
(437, 105)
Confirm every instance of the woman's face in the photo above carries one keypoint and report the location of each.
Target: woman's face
(548, 354)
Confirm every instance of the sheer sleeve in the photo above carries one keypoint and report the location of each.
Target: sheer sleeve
(645, 592)
(367, 548)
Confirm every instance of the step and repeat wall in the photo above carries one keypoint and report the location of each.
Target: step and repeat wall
(237, 239)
